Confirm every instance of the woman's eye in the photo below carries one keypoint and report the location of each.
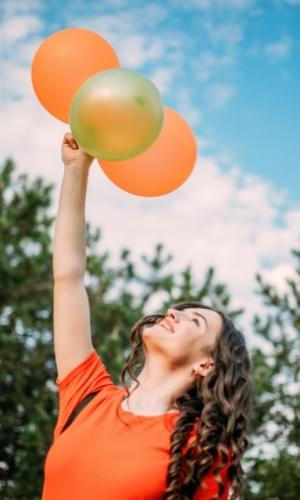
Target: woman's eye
(196, 321)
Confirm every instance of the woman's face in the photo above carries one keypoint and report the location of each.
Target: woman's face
(182, 337)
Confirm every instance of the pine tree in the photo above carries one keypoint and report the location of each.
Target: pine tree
(274, 469)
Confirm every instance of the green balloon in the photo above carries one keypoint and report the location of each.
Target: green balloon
(116, 114)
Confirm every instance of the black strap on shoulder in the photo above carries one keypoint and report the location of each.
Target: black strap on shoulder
(78, 408)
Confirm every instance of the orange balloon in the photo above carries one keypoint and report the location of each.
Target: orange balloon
(163, 167)
(63, 62)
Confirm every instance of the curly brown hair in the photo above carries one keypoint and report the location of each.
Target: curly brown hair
(217, 406)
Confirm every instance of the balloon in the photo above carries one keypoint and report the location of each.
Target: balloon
(116, 114)
(63, 62)
(163, 167)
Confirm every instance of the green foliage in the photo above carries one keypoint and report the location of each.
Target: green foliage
(276, 479)
(276, 419)
(119, 296)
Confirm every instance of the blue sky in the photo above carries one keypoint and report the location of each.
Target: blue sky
(232, 69)
(232, 66)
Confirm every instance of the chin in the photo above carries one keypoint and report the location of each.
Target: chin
(149, 329)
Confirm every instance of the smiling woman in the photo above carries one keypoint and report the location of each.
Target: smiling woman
(193, 335)
(202, 368)
(180, 430)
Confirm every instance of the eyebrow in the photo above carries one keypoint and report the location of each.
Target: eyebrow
(201, 316)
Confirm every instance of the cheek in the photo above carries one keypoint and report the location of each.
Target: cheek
(184, 345)
(188, 342)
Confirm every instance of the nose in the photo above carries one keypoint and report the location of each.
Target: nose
(173, 313)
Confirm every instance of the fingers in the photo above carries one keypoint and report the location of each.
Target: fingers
(70, 141)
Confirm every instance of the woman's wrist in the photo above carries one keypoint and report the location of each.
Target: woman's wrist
(79, 164)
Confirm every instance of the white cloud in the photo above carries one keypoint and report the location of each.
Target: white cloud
(200, 4)
(237, 4)
(16, 84)
(162, 77)
(279, 50)
(209, 63)
(213, 4)
(131, 34)
(20, 37)
(17, 80)
(188, 108)
(152, 13)
(226, 33)
(138, 49)
(10, 8)
(277, 276)
(17, 28)
(219, 94)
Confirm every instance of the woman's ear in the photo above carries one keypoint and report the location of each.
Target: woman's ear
(203, 368)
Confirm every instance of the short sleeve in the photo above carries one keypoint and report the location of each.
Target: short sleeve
(89, 376)
(211, 486)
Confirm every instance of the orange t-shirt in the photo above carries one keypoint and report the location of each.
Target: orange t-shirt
(108, 453)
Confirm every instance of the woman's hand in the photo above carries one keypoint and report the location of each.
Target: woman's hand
(72, 154)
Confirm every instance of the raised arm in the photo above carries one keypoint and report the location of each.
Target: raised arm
(71, 312)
